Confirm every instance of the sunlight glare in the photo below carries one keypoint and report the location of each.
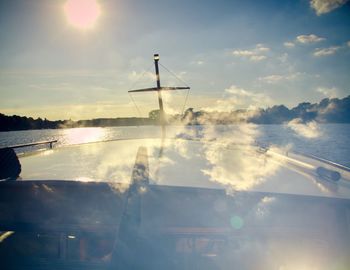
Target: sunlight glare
(85, 135)
(82, 14)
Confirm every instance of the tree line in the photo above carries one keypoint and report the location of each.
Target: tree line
(326, 111)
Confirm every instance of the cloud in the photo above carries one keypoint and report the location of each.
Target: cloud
(238, 98)
(135, 76)
(242, 53)
(328, 92)
(257, 54)
(308, 130)
(283, 58)
(260, 47)
(256, 58)
(348, 43)
(325, 6)
(198, 62)
(307, 39)
(272, 78)
(224, 158)
(288, 44)
(326, 51)
(222, 149)
(275, 78)
(330, 107)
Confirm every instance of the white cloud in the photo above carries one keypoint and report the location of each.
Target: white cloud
(242, 53)
(275, 78)
(197, 62)
(272, 78)
(325, 6)
(326, 51)
(328, 92)
(260, 47)
(308, 130)
(135, 76)
(238, 98)
(246, 95)
(348, 43)
(224, 158)
(255, 55)
(330, 107)
(288, 44)
(257, 58)
(306, 39)
(283, 58)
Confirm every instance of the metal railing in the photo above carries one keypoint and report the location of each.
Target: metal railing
(50, 143)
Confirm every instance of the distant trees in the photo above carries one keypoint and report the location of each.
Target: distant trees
(16, 122)
(190, 117)
(154, 115)
(327, 111)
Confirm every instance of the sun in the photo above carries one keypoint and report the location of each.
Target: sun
(82, 14)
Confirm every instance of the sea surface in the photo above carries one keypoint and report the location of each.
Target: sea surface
(332, 141)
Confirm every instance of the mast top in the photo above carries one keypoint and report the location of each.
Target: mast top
(158, 88)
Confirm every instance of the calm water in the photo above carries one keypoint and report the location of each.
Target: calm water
(333, 142)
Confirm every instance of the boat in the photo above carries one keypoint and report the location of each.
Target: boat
(175, 202)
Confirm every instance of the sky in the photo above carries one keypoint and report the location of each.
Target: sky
(233, 55)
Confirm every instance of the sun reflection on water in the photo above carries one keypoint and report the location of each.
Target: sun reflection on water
(85, 135)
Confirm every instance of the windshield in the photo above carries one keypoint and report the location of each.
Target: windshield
(189, 120)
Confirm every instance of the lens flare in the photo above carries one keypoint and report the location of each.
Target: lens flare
(82, 14)
(237, 222)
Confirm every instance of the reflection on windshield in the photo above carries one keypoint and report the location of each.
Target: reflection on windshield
(212, 157)
(183, 202)
(235, 161)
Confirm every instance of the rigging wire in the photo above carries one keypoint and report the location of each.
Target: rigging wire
(140, 76)
(177, 77)
(137, 108)
(172, 73)
(183, 108)
(132, 86)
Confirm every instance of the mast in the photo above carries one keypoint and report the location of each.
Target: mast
(160, 99)
(159, 90)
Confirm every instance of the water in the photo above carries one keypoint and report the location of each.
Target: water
(333, 143)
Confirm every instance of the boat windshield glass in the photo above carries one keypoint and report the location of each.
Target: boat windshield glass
(217, 157)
